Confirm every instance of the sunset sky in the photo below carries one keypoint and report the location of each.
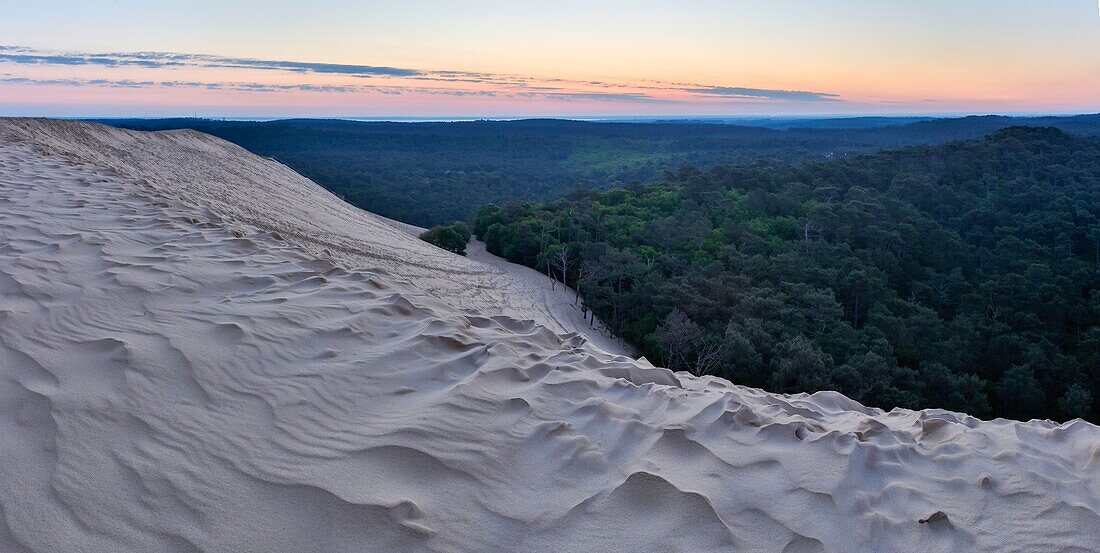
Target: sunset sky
(422, 58)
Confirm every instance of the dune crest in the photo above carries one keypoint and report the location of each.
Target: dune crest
(176, 374)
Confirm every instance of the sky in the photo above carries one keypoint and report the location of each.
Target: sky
(561, 58)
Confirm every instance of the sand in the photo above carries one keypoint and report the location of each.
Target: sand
(232, 186)
(201, 351)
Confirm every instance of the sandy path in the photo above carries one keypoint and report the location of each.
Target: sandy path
(530, 294)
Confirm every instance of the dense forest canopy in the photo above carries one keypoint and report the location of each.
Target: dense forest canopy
(962, 276)
(434, 173)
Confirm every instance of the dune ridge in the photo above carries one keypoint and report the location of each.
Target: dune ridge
(195, 364)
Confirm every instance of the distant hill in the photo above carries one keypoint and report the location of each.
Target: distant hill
(429, 173)
(832, 122)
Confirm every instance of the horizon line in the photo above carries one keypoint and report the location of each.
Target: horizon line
(562, 117)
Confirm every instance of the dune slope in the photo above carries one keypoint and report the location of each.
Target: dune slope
(233, 187)
(196, 364)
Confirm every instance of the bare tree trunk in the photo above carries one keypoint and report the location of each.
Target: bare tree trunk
(561, 260)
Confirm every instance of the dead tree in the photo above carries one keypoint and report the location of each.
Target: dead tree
(561, 262)
(709, 358)
(678, 335)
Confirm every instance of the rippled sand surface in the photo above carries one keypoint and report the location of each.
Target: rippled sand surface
(191, 362)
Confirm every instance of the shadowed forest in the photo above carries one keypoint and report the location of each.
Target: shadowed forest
(435, 173)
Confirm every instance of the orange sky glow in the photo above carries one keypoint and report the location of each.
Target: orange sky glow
(581, 59)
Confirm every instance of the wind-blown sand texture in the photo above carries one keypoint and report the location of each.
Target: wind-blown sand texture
(184, 367)
(237, 189)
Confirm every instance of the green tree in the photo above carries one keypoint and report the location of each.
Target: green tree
(1076, 402)
(1019, 395)
(801, 367)
(452, 238)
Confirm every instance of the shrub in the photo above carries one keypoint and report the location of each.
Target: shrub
(452, 237)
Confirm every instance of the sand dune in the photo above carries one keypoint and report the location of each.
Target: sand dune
(199, 351)
(232, 186)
